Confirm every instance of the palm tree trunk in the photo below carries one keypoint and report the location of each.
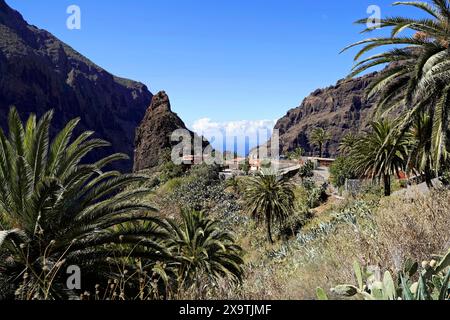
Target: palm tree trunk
(428, 175)
(269, 230)
(320, 150)
(387, 185)
(428, 165)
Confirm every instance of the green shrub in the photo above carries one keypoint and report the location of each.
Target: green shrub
(266, 164)
(445, 178)
(173, 184)
(340, 171)
(169, 170)
(206, 172)
(297, 154)
(315, 195)
(307, 170)
(296, 221)
(245, 167)
(201, 194)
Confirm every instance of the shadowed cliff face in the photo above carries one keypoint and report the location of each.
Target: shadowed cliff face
(38, 72)
(153, 136)
(339, 109)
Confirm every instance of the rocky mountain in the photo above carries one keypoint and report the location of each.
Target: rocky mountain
(38, 72)
(153, 136)
(338, 109)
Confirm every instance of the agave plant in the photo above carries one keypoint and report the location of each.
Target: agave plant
(417, 80)
(56, 211)
(270, 198)
(203, 251)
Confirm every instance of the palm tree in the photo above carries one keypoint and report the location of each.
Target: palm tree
(318, 138)
(347, 143)
(416, 81)
(202, 250)
(420, 160)
(271, 198)
(56, 211)
(380, 153)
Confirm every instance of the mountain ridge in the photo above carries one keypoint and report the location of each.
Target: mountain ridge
(153, 136)
(339, 109)
(39, 72)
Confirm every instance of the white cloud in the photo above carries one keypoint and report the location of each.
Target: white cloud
(242, 131)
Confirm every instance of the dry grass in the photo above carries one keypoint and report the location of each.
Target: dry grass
(382, 234)
(395, 230)
(413, 229)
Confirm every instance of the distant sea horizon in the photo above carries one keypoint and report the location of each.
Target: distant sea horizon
(239, 137)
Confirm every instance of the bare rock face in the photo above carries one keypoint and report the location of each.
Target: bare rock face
(38, 72)
(153, 136)
(338, 109)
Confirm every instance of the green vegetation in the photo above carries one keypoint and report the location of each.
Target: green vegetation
(347, 143)
(206, 240)
(341, 171)
(204, 253)
(366, 229)
(169, 171)
(307, 170)
(270, 198)
(57, 211)
(245, 167)
(297, 154)
(420, 158)
(319, 138)
(432, 283)
(186, 249)
(315, 195)
(416, 84)
(414, 92)
(380, 154)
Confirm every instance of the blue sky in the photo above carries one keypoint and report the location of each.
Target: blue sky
(222, 60)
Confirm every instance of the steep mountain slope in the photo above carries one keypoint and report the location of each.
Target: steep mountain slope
(38, 72)
(154, 133)
(338, 109)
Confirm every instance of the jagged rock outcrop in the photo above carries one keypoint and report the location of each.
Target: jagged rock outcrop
(338, 109)
(38, 72)
(153, 136)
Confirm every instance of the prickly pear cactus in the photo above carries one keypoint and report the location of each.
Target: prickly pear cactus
(369, 287)
(431, 282)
